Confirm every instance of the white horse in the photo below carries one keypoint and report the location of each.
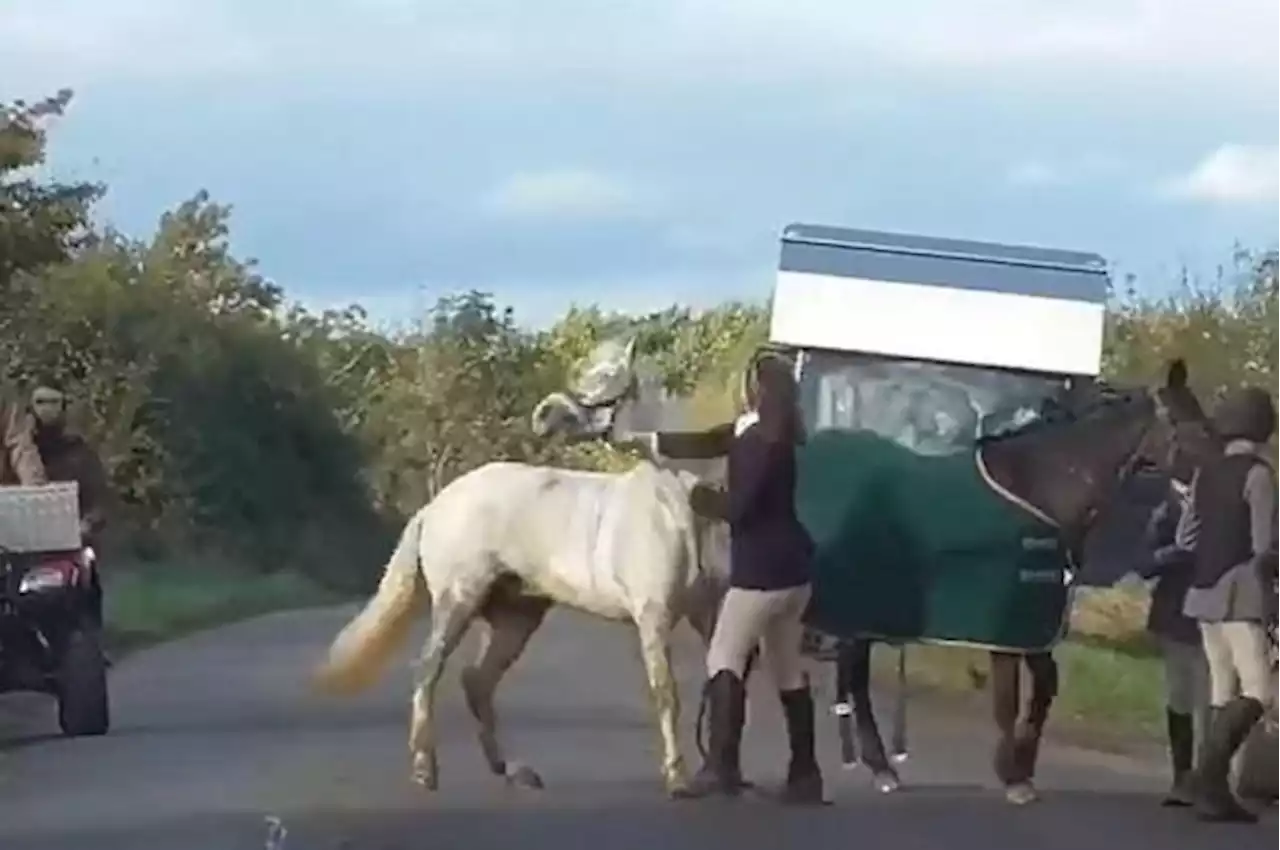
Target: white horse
(507, 541)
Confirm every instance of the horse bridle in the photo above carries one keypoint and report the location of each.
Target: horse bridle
(1132, 464)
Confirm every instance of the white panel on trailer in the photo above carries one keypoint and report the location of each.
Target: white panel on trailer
(973, 303)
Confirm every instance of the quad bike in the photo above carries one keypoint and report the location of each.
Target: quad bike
(51, 635)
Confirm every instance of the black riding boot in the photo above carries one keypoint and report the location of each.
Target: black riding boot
(721, 772)
(1182, 734)
(1204, 745)
(804, 779)
(1230, 726)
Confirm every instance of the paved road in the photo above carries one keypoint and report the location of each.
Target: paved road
(216, 732)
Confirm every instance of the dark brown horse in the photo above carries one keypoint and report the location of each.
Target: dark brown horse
(1065, 469)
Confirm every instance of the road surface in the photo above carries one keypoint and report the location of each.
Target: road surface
(217, 732)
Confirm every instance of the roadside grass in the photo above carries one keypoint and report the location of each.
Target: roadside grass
(1111, 681)
(147, 603)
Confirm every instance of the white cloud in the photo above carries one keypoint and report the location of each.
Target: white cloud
(1232, 174)
(1034, 173)
(564, 193)
(661, 42)
(1061, 171)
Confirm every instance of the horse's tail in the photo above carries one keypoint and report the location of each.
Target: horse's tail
(359, 653)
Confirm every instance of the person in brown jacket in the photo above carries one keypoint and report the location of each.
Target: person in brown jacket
(67, 456)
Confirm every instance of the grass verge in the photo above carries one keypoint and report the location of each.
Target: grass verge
(158, 602)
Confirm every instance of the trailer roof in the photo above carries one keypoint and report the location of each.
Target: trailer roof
(933, 261)
(977, 303)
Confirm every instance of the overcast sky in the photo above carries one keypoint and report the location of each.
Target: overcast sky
(641, 153)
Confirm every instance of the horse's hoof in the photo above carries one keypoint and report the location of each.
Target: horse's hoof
(1021, 793)
(680, 791)
(850, 765)
(424, 772)
(523, 776)
(886, 782)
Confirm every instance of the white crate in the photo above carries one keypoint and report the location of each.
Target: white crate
(45, 518)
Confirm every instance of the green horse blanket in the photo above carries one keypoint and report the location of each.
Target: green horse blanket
(913, 547)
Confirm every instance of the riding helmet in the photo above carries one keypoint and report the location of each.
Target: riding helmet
(1246, 414)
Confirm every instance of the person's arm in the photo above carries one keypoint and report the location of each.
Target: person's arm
(1159, 538)
(1260, 493)
(1161, 525)
(17, 440)
(95, 489)
(693, 445)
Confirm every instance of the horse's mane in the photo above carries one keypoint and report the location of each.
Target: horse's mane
(1067, 408)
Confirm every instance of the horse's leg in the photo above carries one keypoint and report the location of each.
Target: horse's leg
(1026, 744)
(509, 621)
(654, 628)
(869, 741)
(1005, 685)
(451, 613)
(844, 706)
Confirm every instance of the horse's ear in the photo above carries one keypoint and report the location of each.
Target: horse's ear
(629, 353)
(1176, 378)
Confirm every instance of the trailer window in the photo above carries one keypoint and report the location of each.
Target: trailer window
(931, 408)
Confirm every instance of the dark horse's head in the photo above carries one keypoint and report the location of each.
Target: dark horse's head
(1072, 462)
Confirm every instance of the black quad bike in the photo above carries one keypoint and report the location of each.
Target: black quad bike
(51, 635)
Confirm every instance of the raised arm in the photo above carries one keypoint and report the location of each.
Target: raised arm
(17, 440)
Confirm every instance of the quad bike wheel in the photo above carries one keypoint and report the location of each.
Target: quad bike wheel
(83, 704)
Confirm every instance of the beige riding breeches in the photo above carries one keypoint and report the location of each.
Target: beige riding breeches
(768, 618)
(1239, 655)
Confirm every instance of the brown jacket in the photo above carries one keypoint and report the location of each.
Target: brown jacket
(19, 458)
(68, 457)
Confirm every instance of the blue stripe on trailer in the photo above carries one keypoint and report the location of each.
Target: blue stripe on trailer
(948, 263)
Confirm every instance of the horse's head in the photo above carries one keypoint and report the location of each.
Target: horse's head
(1073, 461)
(588, 409)
(1181, 436)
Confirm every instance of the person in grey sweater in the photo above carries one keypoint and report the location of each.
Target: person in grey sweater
(1230, 524)
(1186, 672)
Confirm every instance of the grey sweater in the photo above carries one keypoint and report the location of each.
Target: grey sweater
(1244, 592)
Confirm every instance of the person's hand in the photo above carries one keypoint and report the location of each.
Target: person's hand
(707, 501)
(644, 441)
